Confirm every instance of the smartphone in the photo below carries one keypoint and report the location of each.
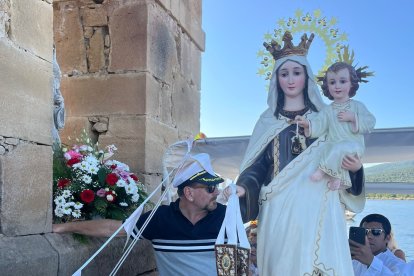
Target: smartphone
(357, 234)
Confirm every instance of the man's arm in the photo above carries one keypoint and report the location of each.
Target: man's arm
(95, 228)
(375, 266)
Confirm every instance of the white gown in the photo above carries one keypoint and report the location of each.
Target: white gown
(342, 139)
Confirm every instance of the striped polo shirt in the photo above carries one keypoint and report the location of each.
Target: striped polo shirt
(182, 248)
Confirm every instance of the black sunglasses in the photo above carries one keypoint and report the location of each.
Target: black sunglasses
(209, 188)
(374, 231)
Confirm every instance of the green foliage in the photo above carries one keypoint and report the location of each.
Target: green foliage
(391, 172)
(389, 196)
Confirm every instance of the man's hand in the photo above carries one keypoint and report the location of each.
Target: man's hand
(240, 192)
(351, 163)
(361, 252)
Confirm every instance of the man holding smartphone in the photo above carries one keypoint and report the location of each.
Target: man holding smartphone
(373, 257)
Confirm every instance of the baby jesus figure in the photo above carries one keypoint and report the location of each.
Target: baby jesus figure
(344, 120)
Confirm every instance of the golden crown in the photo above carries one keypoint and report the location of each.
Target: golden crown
(288, 48)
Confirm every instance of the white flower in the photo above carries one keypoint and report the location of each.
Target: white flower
(59, 212)
(135, 198)
(131, 189)
(124, 204)
(110, 197)
(93, 169)
(76, 213)
(83, 147)
(66, 209)
(87, 179)
(60, 200)
(91, 159)
(131, 181)
(121, 183)
(66, 193)
(77, 205)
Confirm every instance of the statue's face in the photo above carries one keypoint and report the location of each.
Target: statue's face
(291, 77)
(339, 85)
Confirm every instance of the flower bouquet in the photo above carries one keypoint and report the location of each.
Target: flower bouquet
(88, 184)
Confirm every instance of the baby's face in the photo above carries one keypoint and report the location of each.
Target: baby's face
(339, 85)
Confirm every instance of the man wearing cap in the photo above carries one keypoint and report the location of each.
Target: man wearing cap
(183, 233)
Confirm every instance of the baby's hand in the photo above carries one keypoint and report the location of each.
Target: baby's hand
(302, 121)
(346, 116)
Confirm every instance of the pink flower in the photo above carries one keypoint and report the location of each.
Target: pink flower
(101, 192)
(73, 157)
(72, 154)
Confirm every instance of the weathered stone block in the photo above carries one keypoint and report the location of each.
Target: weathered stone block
(190, 61)
(94, 16)
(4, 18)
(73, 254)
(26, 109)
(96, 57)
(195, 66)
(163, 50)
(186, 107)
(73, 128)
(130, 151)
(141, 141)
(128, 31)
(103, 95)
(158, 137)
(165, 105)
(26, 190)
(36, 38)
(166, 4)
(152, 181)
(188, 16)
(69, 40)
(27, 255)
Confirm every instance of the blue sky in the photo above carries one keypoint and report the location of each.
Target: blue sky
(233, 95)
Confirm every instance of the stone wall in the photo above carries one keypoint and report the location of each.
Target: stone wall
(26, 117)
(26, 40)
(131, 77)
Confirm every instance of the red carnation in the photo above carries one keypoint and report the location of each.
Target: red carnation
(73, 161)
(111, 179)
(87, 196)
(133, 176)
(62, 183)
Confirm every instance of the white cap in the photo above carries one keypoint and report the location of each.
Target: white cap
(197, 168)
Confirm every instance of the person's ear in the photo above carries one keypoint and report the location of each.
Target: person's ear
(387, 238)
(188, 193)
